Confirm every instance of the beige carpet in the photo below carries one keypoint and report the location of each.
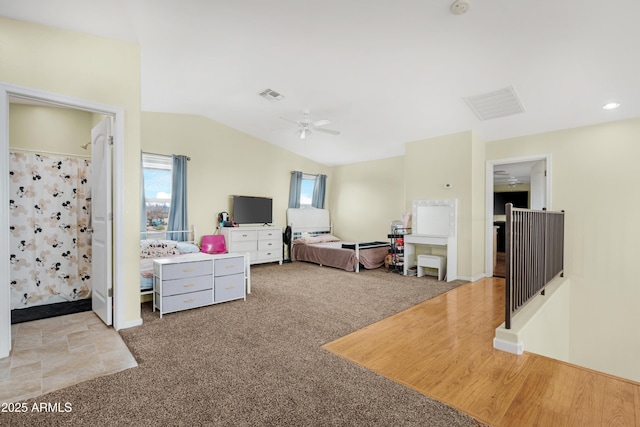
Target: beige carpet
(260, 362)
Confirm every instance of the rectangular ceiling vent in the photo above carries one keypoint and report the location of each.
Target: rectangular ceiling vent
(271, 95)
(492, 105)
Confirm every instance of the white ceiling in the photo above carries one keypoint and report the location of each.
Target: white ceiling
(514, 173)
(385, 72)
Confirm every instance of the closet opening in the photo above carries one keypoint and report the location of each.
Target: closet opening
(50, 170)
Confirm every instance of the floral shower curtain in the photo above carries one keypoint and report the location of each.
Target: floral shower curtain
(50, 243)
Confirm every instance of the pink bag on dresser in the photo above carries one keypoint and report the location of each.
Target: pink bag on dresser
(213, 244)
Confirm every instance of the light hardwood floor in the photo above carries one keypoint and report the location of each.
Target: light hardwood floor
(443, 349)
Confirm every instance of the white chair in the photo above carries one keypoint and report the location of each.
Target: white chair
(432, 261)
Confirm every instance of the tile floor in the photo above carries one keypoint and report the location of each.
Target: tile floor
(55, 353)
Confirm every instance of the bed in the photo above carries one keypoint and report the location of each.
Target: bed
(153, 248)
(312, 241)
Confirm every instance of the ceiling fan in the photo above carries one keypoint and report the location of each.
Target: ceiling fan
(306, 126)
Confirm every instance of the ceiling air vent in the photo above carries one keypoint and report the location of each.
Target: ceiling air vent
(271, 95)
(492, 105)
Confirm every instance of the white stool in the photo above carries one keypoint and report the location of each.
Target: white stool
(432, 261)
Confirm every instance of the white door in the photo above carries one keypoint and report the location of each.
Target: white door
(538, 191)
(101, 221)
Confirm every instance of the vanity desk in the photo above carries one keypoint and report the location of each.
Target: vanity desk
(434, 230)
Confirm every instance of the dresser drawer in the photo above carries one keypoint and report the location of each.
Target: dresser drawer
(187, 284)
(267, 245)
(186, 301)
(243, 236)
(228, 266)
(229, 287)
(243, 246)
(185, 269)
(272, 255)
(269, 234)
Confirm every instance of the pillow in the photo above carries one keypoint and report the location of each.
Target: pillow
(187, 248)
(321, 238)
(158, 248)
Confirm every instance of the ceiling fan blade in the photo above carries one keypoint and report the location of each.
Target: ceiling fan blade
(289, 120)
(322, 122)
(331, 131)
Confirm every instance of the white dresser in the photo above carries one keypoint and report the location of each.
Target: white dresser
(262, 244)
(196, 280)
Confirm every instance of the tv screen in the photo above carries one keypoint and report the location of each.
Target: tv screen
(252, 210)
(520, 199)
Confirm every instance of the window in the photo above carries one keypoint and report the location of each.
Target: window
(306, 190)
(157, 189)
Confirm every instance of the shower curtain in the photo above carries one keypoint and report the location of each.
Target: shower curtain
(50, 238)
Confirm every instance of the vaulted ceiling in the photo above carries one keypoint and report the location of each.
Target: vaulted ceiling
(383, 72)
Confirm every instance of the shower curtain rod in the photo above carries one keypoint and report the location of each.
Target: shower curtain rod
(56, 153)
(165, 155)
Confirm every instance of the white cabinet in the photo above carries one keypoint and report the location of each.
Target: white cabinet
(262, 244)
(196, 280)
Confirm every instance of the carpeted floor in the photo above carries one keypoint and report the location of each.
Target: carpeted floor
(260, 362)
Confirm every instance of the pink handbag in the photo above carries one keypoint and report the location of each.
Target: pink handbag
(213, 244)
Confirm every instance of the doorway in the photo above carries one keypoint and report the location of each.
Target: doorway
(7, 92)
(526, 180)
(50, 202)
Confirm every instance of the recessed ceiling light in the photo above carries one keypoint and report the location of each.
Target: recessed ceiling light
(611, 106)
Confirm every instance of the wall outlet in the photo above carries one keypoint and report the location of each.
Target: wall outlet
(448, 186)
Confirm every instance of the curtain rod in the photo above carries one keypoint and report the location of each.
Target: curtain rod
(56, 153)
(305, 173)
(165, 155)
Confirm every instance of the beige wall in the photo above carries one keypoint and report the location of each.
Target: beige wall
(458, 160)
(225, 162)
(594, 172)
(367, 197)
(92, 68)
(49, 129)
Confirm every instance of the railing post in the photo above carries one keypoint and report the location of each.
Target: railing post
(507, 257)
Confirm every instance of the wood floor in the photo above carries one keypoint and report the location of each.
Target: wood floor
(443, 349)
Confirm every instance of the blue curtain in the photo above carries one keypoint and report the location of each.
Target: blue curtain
(319, 190)
(178, 213)
(294, 189)
(143, 205)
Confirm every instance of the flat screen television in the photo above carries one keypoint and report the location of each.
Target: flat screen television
(252, 210)
(519, 199)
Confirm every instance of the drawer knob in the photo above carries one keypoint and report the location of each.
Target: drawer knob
(187, 270)
(230, 287)
(188, 285)
(189, 300)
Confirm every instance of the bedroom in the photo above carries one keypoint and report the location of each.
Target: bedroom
(589, 163)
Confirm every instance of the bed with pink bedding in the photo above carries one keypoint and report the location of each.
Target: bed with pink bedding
(339, 254)
(313, 242)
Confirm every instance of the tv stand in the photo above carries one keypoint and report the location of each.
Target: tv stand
(263, 243)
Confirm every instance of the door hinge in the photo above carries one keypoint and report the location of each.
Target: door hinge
(110, 293)
(111, 140)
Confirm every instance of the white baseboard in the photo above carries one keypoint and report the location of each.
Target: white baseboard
(131, 324)
(472, 279)
(508, 346)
